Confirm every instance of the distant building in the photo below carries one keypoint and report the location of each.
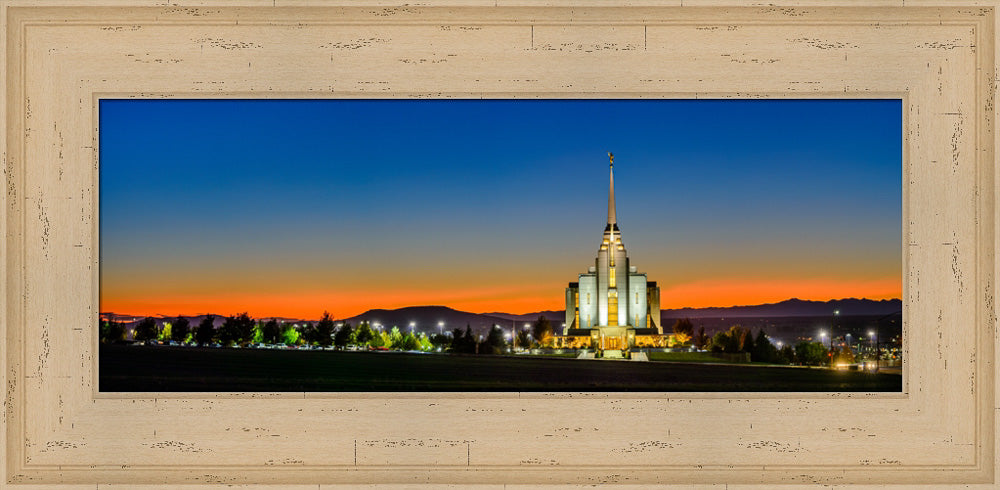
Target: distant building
(612, 303)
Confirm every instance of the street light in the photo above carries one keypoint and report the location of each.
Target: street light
(833, 329)
(412, 324)
(822, 335)
(873, 336)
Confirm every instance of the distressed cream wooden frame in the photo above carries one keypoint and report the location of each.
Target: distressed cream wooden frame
(62, 56)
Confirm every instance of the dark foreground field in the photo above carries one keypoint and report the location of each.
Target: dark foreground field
(128, 368)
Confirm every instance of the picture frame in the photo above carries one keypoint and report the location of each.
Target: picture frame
(62, 57)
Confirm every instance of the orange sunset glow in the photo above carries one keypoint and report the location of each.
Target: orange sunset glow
(343, 304)
(292, 208)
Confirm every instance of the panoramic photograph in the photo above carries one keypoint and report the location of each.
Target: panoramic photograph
(448, 245)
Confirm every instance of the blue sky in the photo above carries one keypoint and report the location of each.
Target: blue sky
(355, 202)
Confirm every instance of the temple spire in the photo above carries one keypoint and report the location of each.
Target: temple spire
(611, 192)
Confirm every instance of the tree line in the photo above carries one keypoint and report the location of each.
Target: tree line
(243, 330)
(742, 340)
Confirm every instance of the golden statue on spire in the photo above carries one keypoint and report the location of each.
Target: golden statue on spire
(611, 157)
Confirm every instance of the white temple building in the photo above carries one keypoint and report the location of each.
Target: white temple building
(612, 302)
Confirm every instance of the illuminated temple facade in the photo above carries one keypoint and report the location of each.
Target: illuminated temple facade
(612, 303)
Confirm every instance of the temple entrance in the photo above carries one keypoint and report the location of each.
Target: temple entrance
(614, 343)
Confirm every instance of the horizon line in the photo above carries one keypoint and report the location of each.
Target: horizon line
(161, 315)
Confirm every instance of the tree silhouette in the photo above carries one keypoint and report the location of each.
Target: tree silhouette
(524, 339)
(309, 334)
(440, 340)
(237, 329)
(748, 343)
(271, 332)
(494, 343)
(464, 342)
(763, 350)
(112, 331)
(730, 341)
(457, 340)
(468, 340)
(228, 333)
(343, 336)
(206, 330)
(542, 329)
(324, 330)
(245, 327)
(701, 340)
(145, 330)
(811, 353)
(180, 329)
(786, 355)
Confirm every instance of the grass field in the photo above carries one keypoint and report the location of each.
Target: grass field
(129, 368)
(704, 357)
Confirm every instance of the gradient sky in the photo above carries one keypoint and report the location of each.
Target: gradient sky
(293, 207)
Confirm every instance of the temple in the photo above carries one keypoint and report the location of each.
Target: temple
(612, 304)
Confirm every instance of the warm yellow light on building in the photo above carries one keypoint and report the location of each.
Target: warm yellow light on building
(612, 308)
(576, 301)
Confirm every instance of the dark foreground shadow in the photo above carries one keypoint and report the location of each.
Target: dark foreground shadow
(167, 369)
